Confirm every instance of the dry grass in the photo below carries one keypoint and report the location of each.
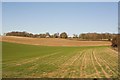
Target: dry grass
(53, 41)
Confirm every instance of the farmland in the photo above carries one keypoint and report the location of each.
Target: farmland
(33, 61)
(53, 41)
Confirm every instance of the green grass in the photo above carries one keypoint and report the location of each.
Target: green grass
(20, 60)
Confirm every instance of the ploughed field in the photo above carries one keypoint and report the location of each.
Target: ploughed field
(53, 41)
(30, 61)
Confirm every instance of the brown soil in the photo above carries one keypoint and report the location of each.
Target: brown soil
(53, 41)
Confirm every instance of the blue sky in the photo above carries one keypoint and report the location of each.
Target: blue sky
(60, 0)
(81, 17)
(0, 18)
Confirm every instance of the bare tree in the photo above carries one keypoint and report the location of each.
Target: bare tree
(56, 35)
(63, 35)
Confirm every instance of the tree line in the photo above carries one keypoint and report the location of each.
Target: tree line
(44, 35)
(84, 36)
(97, 36)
